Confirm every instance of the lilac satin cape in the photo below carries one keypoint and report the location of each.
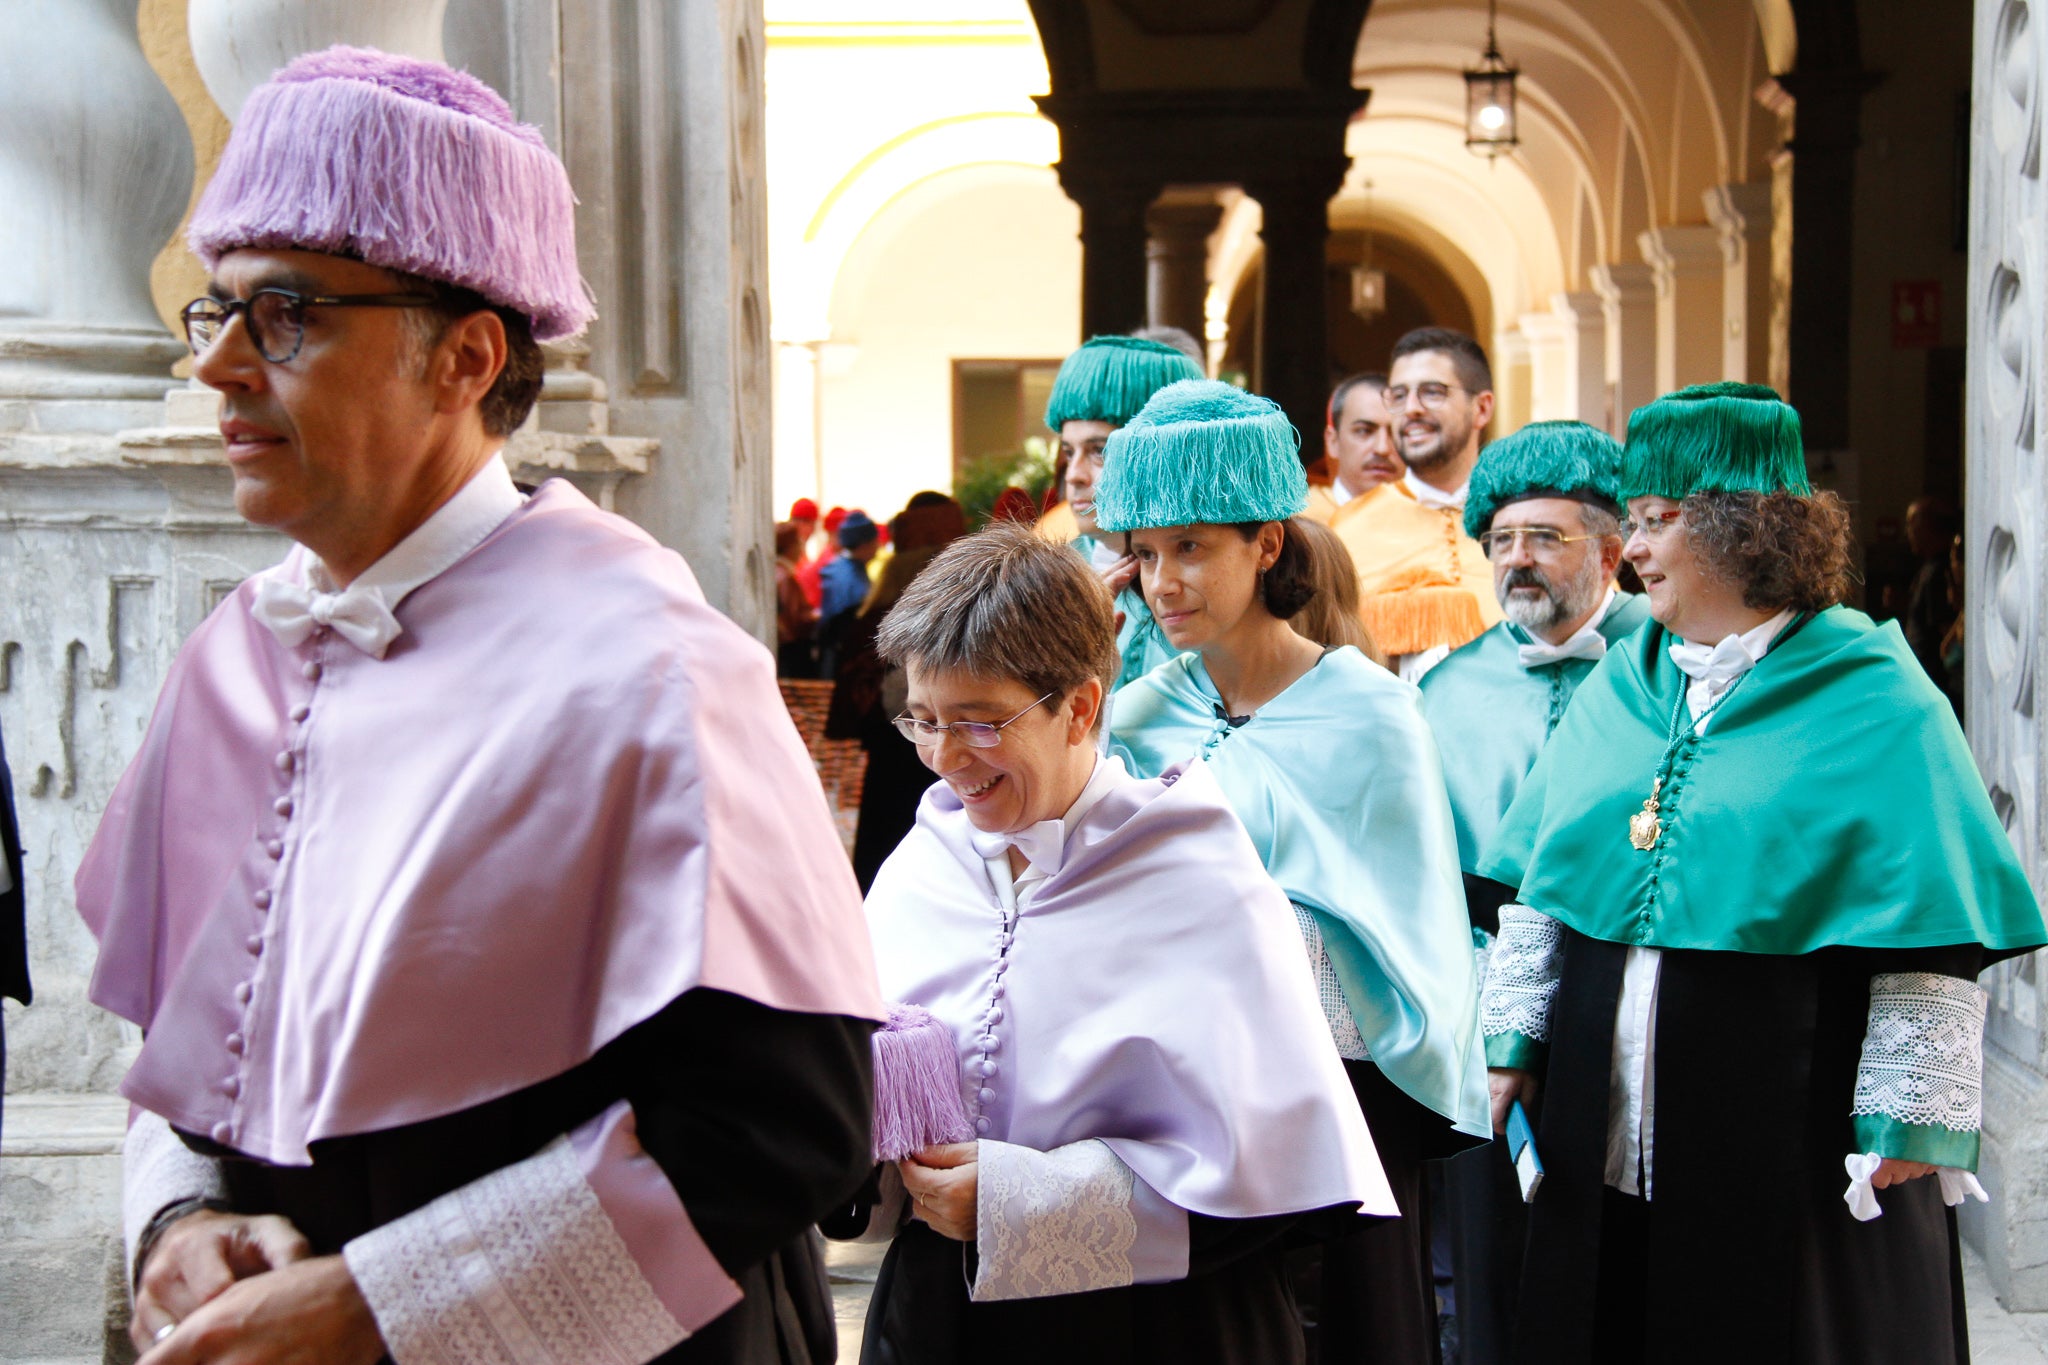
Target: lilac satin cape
(1155, 995)
(343, 893)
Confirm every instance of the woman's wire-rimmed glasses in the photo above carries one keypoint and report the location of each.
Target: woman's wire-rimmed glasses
(975, 734)
(1651, 526)
(277, 317)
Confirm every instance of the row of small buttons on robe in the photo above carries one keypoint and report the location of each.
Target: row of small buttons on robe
(986, 1065)
(272, 841)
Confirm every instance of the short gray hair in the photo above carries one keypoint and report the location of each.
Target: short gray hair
(1007, 603)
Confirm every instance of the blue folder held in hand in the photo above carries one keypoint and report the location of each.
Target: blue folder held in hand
(1522, 1151)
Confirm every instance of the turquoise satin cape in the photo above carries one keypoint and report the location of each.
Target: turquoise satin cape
(1140, 643)
(1491, 717)
(1831, 802)
(1340, 787)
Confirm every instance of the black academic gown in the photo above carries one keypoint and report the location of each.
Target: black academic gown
(1236, 1306)
(758, 1117)
(13, 910)
(1745, 1250)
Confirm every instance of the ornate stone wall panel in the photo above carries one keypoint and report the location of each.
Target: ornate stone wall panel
(2007, 583)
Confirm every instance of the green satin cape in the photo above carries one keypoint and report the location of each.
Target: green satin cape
(1491, 717)
(1340, 787)
(1831, 802)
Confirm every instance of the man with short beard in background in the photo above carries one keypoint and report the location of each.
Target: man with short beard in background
(1358, 446)
(1544, 506)
(1421, 580)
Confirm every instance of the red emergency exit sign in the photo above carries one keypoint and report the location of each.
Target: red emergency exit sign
(1916, 314)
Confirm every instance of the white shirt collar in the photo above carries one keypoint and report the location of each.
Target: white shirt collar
(458, 526)
(1102, 554)
(1714, 668)
(1108, 771)
(1429, 495)
(1340, 492)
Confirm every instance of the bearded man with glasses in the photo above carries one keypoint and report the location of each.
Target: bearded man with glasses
(1544, 504)
(466, 1039)
(1423, 583)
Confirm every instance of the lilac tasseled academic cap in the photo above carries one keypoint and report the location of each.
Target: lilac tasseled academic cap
(405, 164)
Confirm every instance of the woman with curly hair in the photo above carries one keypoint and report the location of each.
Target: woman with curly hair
(1326, 759)
(1755, 877)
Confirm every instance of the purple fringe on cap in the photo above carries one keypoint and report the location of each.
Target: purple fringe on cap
(917, 1085)
(407, 165)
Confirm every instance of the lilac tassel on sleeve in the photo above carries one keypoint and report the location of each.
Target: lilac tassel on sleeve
(917, 1085)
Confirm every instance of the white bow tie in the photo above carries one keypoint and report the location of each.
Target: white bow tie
(357, 614)
(1590, 645)
(1715, 667)
(1043, 844)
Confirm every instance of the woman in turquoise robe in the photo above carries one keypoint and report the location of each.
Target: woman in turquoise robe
(1328, 763)
(1757, 877)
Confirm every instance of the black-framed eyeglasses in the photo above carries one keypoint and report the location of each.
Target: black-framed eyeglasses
(1432, 394)
(1543, 541)
(277, 317)
(975, 734)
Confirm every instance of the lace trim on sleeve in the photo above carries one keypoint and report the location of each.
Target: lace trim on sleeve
(1521, 975)
(1923, 1054)
(1056, 1222)
(519, 1267)
(1344, 1030)
(157, 1171)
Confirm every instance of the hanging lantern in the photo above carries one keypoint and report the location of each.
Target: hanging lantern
(1490, 124)
(1368, 292)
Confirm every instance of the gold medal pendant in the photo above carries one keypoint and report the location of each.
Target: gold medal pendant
(1644, 828)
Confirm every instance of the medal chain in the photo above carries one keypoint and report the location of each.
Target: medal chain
(1645, 827)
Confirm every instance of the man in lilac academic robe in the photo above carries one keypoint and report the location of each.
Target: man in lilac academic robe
(504, 987)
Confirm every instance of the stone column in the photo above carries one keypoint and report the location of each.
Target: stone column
(1583, 320)
(1741, 216)
(238, 43)
(1628, 305)
(95, 173)
(2006, 536)
(1293, 327)
(1514, 397)
(1543, 338)
(1113, 251)
(1177, 262)
(661, 131)
(1827, 106)
(1687, 266)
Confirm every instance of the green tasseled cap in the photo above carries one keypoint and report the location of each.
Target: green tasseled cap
(1714, 438)
(1110, 378)
(1201, 452)
(1544, 460)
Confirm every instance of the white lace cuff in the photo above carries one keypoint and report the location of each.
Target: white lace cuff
(579, 1255)
(1072, 1219)
(1521, 975)
(1344, 1030)
(157, 1171)
(1923, 1054)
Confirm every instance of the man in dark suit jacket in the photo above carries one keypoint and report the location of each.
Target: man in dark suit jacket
(13, 908)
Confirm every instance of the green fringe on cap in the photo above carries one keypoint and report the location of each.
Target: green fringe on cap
(1202, 452)
(1109, 379)
(1562, 457)
(1714, 438)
